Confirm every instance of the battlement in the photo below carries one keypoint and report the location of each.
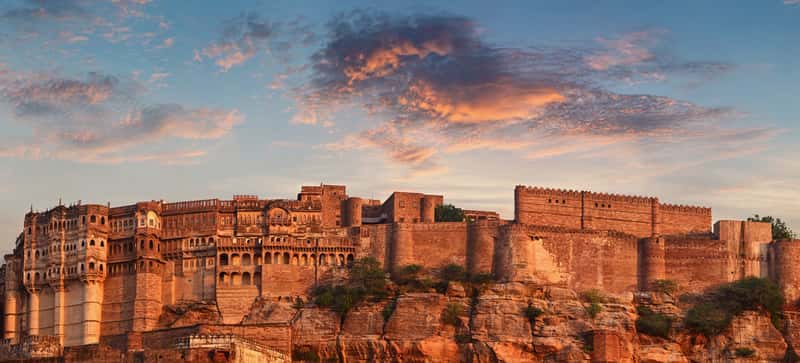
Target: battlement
(245, 197)
(687, 209)
(548, 191)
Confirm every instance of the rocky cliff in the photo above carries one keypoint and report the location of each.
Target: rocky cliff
(515, 322)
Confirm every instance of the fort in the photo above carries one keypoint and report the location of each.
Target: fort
(86, 275)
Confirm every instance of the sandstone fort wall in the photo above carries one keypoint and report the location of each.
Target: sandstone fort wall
(90, 273)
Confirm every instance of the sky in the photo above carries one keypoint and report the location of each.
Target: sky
(128, 100)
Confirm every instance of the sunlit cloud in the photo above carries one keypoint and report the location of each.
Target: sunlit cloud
(435, 74)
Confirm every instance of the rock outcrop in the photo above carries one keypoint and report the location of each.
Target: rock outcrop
(493, 326)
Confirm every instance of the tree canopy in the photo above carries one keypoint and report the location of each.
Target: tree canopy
(780, 230)
(449, 213)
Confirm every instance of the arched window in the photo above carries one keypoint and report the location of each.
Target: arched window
(223, 259)
(103, 220)
(102, 244)
(286, 258)
(101, 267)
(246, 278)
(268, 258)
(223, 277)
(91, 243)
(246, 259)
(350, 259)
(91, 266)
(304, 260)
(141, 244)
(93, 219)
(236, 279)
(235, 259)
(151, 244)
(81, 267)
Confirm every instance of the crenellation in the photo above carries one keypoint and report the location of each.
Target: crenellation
(87, 273)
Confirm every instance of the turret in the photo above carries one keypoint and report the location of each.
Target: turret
(785, 257)
(428, 210)
(403, 246)
(652, 261)
(353, 207)
(480, 246)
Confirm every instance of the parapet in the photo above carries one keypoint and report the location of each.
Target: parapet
(686, 209)
(548, 191)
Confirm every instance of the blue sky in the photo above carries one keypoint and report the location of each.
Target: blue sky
(128, 100)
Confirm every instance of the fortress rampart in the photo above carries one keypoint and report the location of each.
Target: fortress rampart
(87, 273)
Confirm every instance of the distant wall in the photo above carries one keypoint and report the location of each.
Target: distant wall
(638, 216)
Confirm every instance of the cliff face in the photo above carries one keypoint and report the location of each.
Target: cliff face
(492, 326)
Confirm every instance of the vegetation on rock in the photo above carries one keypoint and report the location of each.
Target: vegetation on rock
(715, 310)
(668, 287)
(653, 323)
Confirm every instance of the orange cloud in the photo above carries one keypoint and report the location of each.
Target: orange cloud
(500, 100)
(384, 61)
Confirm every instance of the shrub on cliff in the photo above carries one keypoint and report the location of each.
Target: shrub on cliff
(451, 314)
(453, 272)
(712, 315)
(653, 323)
(668, 287)
(448, 213)
(368, 275)
(594, 297)
(531, 312)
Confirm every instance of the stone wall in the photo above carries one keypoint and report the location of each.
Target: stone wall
(696, 263)
(579, 259)
(431, 245)
(638, 216)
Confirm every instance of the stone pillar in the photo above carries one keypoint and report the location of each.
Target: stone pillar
(11, 312)
(33, 312)
(403, 246)
(92, 312)
(653, 264)
(59, 313)
(480, 247)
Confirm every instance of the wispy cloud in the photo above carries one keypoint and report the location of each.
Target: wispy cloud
(244, 36)
(101, 119)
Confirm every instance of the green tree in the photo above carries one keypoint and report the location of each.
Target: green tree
(780, 230)
(368, 275)
(448, 213)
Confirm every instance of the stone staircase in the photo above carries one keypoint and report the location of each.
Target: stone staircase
(234, 302)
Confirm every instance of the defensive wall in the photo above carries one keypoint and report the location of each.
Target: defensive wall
(635, 215)
(85, 274)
